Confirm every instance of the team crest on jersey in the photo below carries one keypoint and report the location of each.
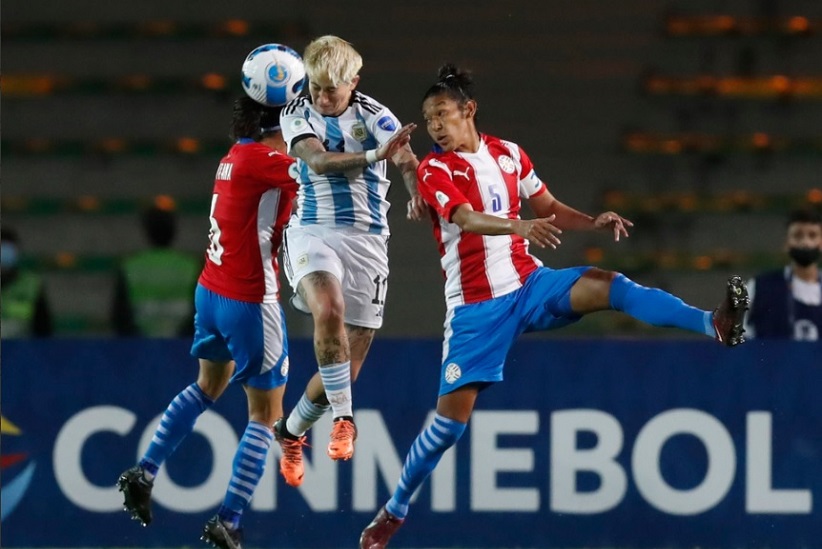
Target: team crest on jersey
(442, 198)
(359, 132)
(284, 367)
(506, 164)
(452, 373)
(387, 123)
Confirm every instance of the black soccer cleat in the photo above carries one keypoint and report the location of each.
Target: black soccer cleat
(218, 535)
(136, 490)
(729, 316)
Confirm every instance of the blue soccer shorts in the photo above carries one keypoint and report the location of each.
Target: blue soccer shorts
(478, 336)
(251, 334)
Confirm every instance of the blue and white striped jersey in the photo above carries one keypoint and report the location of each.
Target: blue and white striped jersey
(356, 198)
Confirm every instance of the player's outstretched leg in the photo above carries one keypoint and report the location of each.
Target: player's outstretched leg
(377, 534)
(136, 490)
(217, 534)
(659, 308)
(291, 459)
(729, 316)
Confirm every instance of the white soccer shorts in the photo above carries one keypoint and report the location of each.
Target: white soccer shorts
(358, 260)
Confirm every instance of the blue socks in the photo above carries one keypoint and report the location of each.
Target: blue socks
(177, 422)
(658, 307)
(424, 455)
(249, 465)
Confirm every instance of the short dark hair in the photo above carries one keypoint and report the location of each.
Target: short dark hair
(160, 225)
(253, 120)
(805, 215)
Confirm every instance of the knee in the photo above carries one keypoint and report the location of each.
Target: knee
(328, 309)
(592, 293)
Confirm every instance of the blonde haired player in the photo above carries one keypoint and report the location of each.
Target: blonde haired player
(336, 243)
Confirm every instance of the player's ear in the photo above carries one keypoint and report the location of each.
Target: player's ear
(355, 81)
(470, 108)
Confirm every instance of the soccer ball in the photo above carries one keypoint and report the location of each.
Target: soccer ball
(273, 74)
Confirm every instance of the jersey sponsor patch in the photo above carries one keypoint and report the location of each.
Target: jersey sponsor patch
(506, 164)
(387, 123)
(442, 198)
(452, 373)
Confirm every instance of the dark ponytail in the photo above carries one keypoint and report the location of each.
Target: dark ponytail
(456, 83)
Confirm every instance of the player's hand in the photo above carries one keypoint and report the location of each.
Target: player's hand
(417, 208)
(614, 221)
(397, 141)
(540, 231)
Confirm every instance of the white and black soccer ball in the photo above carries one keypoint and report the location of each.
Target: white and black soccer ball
(273, 74)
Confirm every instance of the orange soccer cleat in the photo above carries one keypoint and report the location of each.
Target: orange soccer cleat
(291, 461)
(343, 436)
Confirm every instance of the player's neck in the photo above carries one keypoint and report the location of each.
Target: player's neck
(470, 144)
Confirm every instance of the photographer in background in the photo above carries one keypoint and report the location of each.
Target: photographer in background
(787, 303)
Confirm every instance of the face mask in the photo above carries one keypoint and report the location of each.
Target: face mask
(9, 255)
(804, 256)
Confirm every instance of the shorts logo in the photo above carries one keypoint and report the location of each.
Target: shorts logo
(387, 123)
(506, 164)
(302, 261)
(452, 373)
(284, 367)
(442, 198)
(358, 131)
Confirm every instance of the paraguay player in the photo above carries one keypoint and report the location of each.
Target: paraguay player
(496, 290)
(240, 333)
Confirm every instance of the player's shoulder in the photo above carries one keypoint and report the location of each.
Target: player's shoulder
(497, 143)
(366, 103)
(257, 151)
(439, 160)
(296, 105)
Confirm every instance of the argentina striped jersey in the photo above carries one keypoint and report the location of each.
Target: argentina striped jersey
(356, 198)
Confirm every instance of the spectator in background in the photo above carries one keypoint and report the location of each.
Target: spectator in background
(24, 310)
(786, 303)
(154, 287)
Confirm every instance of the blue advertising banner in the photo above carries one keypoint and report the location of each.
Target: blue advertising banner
(585, 444)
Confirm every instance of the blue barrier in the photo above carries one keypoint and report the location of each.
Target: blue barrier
(586, 444)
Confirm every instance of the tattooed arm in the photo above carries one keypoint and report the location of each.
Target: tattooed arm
(311, 151)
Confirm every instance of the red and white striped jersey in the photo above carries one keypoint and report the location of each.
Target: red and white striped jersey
(251, 204)
(492, 180)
